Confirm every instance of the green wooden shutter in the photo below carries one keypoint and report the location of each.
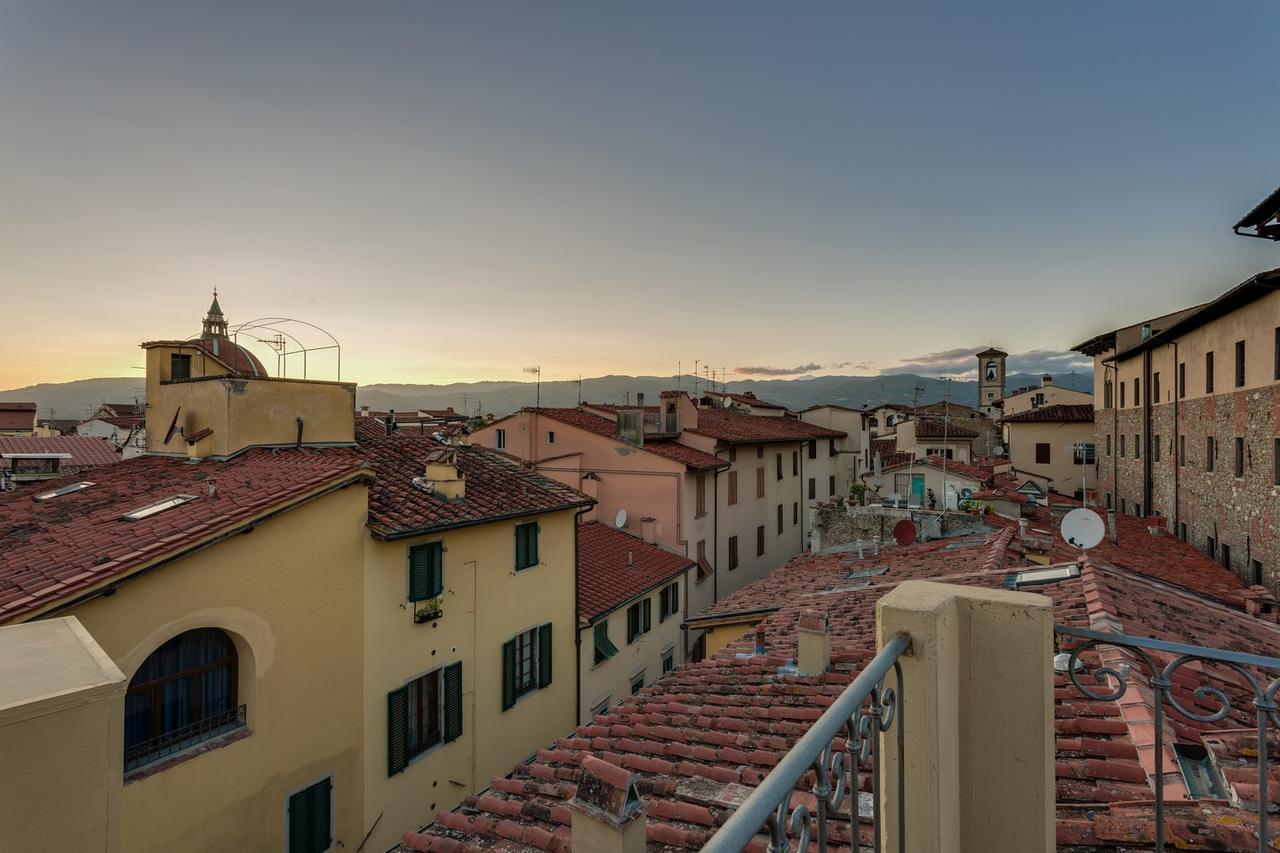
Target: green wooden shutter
(675, 598)
(533, 543)
(633, 622)
(644, 609)
(508, 674)
(397, 730)
(544, 655)
(452, 702)
(309, 818)
(426, 571)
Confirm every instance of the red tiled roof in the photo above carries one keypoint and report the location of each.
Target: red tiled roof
(62, 425)
(17, 416)
(737, 428)
(121, 409)
(973, 472)
(884, 445)
(56, 548)
(729, 719)
(673, 450)
(124, 422)
(747, 399)
(614, 567)
(1058, 413)
(931, 427)
(229, 354)
(834, 406)
(496, 488)
(85, 451)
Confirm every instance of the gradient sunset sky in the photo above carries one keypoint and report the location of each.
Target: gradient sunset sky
(457, 190)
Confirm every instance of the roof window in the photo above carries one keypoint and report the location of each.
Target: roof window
(65, 490)
(1203, 781)
(157, 508)
(1050, 575)
(866, 573)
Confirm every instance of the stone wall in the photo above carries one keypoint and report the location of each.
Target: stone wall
(837, 529)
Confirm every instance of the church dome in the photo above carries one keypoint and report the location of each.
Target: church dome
(216, 343)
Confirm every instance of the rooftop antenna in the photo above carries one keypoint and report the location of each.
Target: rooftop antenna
(695, 378)
(911, 469)
(679, 371)
(946, 423)
(536, 369)
(579, 389)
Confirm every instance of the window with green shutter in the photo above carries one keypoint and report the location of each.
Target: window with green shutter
(452, 702)
(422, 714)
(397, 730)
(526, 664)
(309, 818)
(526, 545)
(668, 601)
(605, 648)
(426, 571)
(644, 610)
(544, 655)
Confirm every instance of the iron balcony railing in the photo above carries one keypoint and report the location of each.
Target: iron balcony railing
(167, 744)
(860, 714)
(1246, 691)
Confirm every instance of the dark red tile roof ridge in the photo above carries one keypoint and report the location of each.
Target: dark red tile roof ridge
(1057, 413)
(615, 566)
(684, 454)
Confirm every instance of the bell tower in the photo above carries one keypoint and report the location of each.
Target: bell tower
(991, 372)
(215, 325)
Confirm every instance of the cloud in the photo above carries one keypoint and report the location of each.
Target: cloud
(962, 361)
(777, 371)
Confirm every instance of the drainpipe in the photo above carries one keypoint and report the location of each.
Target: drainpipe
(1177, 442)
(1147, 487)
(800, 454)
(715, 537)
(1115, 432)
(577, 629)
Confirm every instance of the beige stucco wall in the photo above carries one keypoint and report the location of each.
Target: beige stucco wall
(611, 679)
(289, 593)
(722, 635)
(479, 566)
(1062, 474)
(1053, 395)
(908, 442)
(933, 479)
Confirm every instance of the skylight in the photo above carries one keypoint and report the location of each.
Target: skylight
(65, 490)
(1038, 576)
(156, 508)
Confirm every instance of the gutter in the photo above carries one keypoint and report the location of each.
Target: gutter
(727, 618)
(385, 534)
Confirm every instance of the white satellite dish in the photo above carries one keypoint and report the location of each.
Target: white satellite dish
(1082, 528)
(998, 450)
(620, 520)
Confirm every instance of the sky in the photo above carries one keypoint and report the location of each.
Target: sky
(457, 191)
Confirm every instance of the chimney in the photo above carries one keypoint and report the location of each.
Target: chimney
(1046, 381)
(364, 411)
(640, 399)
(630, 560)
(389, 424)
(813, 655)
(441, 475)
(648, 526)
(1111, 526)
(608, 814)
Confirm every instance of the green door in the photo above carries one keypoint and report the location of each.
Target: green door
(917, 490)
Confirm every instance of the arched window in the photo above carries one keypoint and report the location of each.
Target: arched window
(184, 693)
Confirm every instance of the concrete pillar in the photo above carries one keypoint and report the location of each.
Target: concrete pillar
(977, 703)
(813, 640)
(608, 814)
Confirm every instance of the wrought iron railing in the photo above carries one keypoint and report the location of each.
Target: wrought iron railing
(866, 709)
(1246, 692)
(153, 749)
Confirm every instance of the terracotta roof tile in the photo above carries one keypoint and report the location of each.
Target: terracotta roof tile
(1059, 413)
(673, 450)
(614, 567)
(733, 427)
(85, 451)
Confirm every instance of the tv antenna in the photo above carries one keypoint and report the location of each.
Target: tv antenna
(536, 369)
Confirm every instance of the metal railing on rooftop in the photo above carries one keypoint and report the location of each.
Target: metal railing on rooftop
(860, 714)
(175, 741)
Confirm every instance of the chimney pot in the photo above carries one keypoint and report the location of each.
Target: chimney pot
(630, 561)
(640, 399)
(813, 653)
(608, 814)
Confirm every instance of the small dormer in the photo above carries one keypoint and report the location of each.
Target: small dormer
(440, 475)
(678, 412)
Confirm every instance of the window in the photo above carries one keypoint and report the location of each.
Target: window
(1277, 353)
(1108, 500)
(779, 465)
(1122, 447)
(1122, 395)
(1209, 452)
(1226, 556)
(1037, 400)
(1155, 388)
(1182, 449)
(1255, 570)
(1239, 457)
(1137, 510)
(1275, 456)
(423, 713)
(637, 682)
(1182, 379)
(1208, 373)
(551, 437)
(1108, 444)
(1155, 448)
(668, 601)
(184, 693)
(760, 482)
(779, 519)
(733, 488)
(760, 452)
(526, 545)
(701, 496)
(179, 366)
(733, 553)
(526, 663)
(309, 818)
(500, 439)
(157, 508)
(1211, 547)
(795, 512)
(1083, 453)
(65, 490)
(1137, 447)
(668, 660)
(831, 447)
(638, 620)
(760, 541)
(813, 449)
(813, 488)
(426, 571)
(795, 463)
(602, 707)
(1042, 453)
(1108, 392)
(1182, 531)
(1136, 391)
(1239, 364)
(604, 647)
(831, 485)
(1124, 506)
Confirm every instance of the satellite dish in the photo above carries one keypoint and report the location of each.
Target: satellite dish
(620, 520)
(966, 494)
(904, 532)
(173, 426)
(998, 450)
(1082, 528)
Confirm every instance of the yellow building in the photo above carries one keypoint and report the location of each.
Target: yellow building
(1053, 446)
(324, 640)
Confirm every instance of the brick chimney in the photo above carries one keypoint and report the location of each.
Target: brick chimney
(813, 655)
(608, 814)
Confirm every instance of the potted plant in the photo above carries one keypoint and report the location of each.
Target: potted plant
(428, 610)
(857, 492)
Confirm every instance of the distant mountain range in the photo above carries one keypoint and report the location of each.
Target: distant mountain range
(81, 397)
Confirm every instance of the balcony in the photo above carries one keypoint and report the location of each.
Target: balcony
(170, 743)
(946, 740)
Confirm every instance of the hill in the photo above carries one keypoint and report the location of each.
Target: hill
(81, 397)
